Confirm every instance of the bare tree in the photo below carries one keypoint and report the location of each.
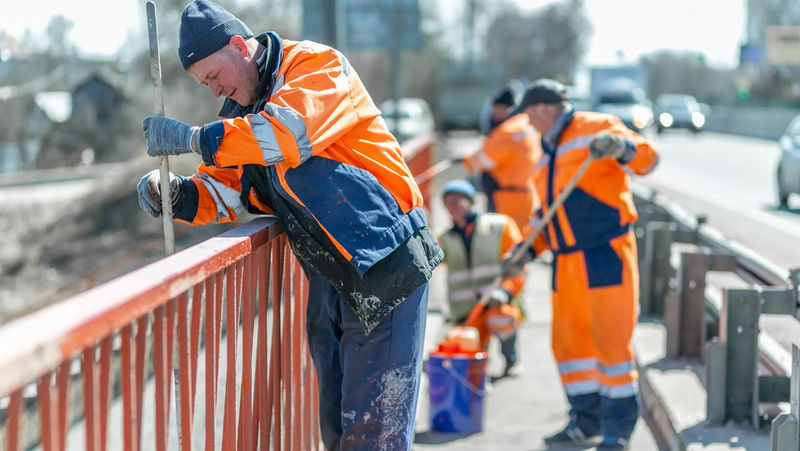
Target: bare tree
(549, 42)
(686, 72)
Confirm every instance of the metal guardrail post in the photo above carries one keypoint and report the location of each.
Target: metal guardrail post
(655, 270)
(785, 434)
(739, 332)
(716, 356)
(685, 314)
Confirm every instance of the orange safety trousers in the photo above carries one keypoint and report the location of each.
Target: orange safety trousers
(593, 325)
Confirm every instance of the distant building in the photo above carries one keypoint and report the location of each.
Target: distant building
(57, 112)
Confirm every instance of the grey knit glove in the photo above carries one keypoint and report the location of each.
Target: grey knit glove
(167, 136)
(607, 145)
(149, 192)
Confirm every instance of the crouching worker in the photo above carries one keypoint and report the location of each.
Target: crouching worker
(299, 137)
(474, 248)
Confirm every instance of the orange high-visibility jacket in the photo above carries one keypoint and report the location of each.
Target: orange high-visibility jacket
(600, 207)
(315, 150)
(507, 159)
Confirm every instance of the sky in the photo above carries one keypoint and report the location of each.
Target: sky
(634, 27)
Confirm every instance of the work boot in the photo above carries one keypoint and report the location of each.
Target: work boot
(612, 443)
(570, 435)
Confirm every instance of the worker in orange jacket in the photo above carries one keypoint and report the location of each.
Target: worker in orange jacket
(595, 277)
(474, 248)
(506, 160)
(299, 137)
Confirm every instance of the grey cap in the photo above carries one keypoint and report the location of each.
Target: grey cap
(543, 90)
(205, 28)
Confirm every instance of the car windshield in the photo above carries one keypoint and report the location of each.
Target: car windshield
(618, 98)
(679, 103)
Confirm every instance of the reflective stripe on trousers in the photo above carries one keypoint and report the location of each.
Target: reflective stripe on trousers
(593, 320)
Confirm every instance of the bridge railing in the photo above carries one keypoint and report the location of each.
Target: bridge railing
(216, 330)
(211, 337)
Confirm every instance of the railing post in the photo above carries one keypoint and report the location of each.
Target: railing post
(655, 269)
(716, 357)
(741, 309)
(684, 314)
(785, 434)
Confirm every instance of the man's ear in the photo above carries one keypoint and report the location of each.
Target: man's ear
(237, 43)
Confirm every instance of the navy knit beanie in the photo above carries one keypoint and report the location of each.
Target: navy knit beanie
(205, 28)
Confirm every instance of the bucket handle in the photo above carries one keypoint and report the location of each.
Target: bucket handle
(449, 367)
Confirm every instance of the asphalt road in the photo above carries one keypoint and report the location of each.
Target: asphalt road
(731, 180)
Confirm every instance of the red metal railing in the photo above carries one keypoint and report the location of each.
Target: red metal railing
(223, 325)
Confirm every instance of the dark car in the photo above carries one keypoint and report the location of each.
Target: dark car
(678, 111)
(788, 173)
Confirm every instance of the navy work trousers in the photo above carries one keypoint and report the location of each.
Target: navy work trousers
(368, 384)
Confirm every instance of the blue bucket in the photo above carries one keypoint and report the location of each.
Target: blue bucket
(456, 388)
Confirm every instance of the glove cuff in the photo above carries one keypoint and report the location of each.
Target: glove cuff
(178, 194)
(628, 153)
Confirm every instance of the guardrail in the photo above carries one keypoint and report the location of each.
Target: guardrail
(238, 299)
(718, 324)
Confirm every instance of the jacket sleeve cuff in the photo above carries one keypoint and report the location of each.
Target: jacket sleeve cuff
(630, 152)
(187, 210)
(209, 141)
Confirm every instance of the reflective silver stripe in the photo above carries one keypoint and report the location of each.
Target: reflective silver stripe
(542, 161)
(650, 168)
(482, 271)
(618, 369)
(346, 67)
(628, 170)
(581, 388)
(463, 295)
(482, 161)
(278, 85)
(571, 366)
(295, 124)
(224, 196)
(523, 134)
(619, 391)
(578, 143)
(265, 135)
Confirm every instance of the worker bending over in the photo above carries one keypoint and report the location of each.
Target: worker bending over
(299, 137)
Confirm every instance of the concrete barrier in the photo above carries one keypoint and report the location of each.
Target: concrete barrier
(754, 122)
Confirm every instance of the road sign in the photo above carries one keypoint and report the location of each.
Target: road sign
(783, 45)
(369, 24)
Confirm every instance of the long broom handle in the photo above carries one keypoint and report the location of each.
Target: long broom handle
(520, 251)
(158, 105)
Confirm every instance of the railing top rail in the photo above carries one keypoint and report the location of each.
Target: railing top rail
(769, 273)
(416, 144)
(43, 339)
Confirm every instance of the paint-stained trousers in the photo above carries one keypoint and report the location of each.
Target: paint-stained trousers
(595, 301)
(368, 384)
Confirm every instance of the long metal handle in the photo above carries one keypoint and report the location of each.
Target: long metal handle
(158, 106)
(520, 251)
